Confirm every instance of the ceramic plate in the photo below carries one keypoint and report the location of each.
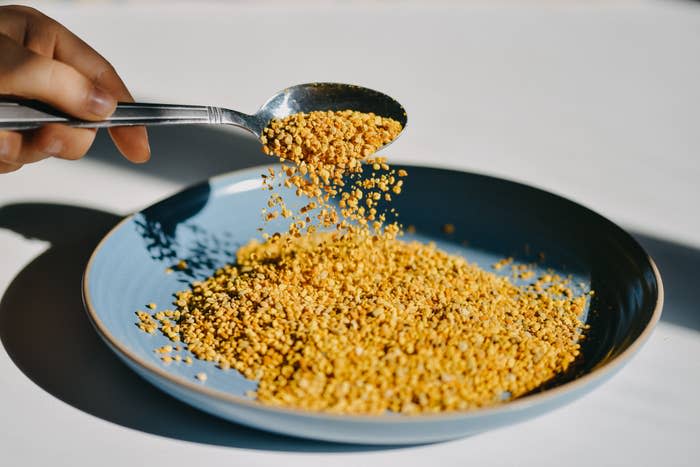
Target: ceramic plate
(493, 219)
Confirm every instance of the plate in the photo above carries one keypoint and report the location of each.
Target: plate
(136, 264)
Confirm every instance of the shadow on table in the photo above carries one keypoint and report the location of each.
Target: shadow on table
(679, 266)
(47, 334)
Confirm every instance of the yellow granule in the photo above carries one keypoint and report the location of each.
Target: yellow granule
(359, 323)
(356, 320)
(449, 229)
(322, 155)
(329, 143)
(145, 322)
(164, 349)
(502, 263)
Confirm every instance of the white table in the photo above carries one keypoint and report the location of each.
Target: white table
(598, 101)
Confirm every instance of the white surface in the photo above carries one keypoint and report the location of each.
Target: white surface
(598, 102)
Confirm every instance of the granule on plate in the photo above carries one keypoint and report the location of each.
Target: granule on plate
(355, 320)
(502, 263)
(164, 349)
(360, 323)
(145, 322)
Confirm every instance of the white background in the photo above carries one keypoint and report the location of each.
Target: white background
(598, 101)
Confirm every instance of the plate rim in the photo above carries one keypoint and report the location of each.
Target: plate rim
(598, 373)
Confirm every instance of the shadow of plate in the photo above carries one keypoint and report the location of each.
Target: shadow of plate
(46, 332)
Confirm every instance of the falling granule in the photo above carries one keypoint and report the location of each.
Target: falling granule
(323, 155)
(448, 229)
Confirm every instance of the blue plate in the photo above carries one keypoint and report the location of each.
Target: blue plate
(493, 219)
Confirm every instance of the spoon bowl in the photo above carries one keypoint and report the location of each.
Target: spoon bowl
(312, 97)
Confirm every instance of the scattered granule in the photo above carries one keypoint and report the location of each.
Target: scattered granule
(502, 263)
(362, 323)
(448, 229)
(152, 306)
(182, 265)
(168, 270)
(170, 330)
(526, 275)
(168, 325)
(164, 349)
(167, 359)
(145, 322)
(188, 360)
(201, 376)
(177, 358)
(522, 271)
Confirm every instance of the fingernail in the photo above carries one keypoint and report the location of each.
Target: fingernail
(146, 155)
(148, 143)
(4, 147)
(55, 147)
(100, 102)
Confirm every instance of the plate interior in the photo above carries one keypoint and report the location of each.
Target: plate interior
(492, 219)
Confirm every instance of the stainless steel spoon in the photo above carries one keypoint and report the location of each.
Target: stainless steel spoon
(26, 115)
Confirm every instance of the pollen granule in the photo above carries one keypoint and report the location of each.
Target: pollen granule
(353, 319)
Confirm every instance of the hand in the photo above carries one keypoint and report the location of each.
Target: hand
(42, 60)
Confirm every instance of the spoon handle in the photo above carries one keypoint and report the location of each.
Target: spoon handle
(26, 115)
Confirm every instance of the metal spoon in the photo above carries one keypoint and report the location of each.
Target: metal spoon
(26, 115)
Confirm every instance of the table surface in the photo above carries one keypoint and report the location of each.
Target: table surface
(597, 101)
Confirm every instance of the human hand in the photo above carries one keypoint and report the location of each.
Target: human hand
(42, 60)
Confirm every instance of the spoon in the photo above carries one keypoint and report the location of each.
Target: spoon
(26, 115)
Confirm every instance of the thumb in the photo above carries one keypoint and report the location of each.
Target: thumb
(24, 73)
